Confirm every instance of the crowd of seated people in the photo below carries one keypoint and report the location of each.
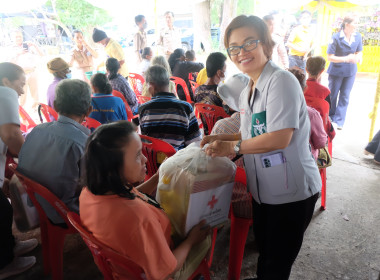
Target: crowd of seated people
(111, 164)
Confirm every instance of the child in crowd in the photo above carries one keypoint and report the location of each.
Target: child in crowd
(105, 107)
(315, 66)
(190, 56)
(147, 55)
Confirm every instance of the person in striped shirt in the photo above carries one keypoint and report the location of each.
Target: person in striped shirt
(165, 117)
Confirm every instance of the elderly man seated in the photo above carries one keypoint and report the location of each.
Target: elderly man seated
(52, 151)
(165, 117)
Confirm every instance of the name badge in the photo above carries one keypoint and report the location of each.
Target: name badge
(259, 124)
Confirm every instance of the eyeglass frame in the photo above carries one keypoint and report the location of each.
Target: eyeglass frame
(243, 47)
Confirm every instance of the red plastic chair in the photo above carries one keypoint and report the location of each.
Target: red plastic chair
(47, 111)
(182, 83)
(209, 114)
(194, 86)
(53, 236)
(143, 99)
(91, 123)
(127, 108)
(150, 147)
(105, 257)
(238, 234)
(26, 121)
(137, 81)
(323, 107)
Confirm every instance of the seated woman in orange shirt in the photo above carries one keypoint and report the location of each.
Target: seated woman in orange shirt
(121, 216)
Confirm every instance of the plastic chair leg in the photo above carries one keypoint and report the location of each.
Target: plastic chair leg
(202, 269)
(238, 237)
(329, 146)
(45, 247)
(56, 245)
(214, 233)
(323, 195)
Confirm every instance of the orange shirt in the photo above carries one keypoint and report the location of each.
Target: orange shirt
(133, 228)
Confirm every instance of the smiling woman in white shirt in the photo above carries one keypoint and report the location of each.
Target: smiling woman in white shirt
(274, 138)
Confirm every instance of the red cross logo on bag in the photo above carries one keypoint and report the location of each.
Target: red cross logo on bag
(212, 202)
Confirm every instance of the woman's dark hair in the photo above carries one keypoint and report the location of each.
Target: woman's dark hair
(104, 159)
(215, 62)
(101, 82)
(112, 66)
(298, 73)
(146, 52)
(174, 57)
(258, 25)
(10, 71)
(347, 19)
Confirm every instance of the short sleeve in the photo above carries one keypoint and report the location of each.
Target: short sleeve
(117, 52)
(283, 102)
(332, 46)
(155, 257)
(8, 106)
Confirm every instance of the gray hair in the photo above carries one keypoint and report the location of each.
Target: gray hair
(161, 60)
(157, 75)
(72, 97)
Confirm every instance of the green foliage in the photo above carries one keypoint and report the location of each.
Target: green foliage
(80, 14)
(245, 7)
(216, 12)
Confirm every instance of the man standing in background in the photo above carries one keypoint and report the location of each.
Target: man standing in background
(26, 55)
(300, 42)
(139, 41)
(170, 37)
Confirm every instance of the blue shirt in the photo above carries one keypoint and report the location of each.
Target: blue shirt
(51, 156)
(340, 47)
(169, 119)
(107, 108)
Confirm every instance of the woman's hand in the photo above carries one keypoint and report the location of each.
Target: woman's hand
(208, 139)
(221, 148)
(199, 232)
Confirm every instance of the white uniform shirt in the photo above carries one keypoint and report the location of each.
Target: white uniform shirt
(279, 95)
(8, 115)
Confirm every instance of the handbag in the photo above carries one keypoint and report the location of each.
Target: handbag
(324, 159)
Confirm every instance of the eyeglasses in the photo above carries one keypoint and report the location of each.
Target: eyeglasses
(247, 46)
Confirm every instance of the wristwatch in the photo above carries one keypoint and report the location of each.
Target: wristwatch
(237, 147)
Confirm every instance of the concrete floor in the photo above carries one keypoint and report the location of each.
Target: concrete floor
(342, 242)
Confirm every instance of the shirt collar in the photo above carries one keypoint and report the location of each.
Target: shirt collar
(269, 68)
(64, 119)
(101, 94)
(352, 39)
(163, 94)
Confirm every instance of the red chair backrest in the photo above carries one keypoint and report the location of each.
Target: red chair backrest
(150, 147)
(142, 99)
(209, 115)
(137, 82)
(105, 257)
(182, 83)
(47, 111)
(194, 86)
(91, 123)
(26, 121)
(33, 188)
(127, 108)
(322, 106)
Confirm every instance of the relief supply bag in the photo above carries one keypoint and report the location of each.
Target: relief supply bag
(192, 187)
(25, 214)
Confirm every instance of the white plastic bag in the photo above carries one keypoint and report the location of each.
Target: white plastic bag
(191, 171)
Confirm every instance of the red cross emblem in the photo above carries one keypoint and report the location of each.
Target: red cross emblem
(212, 202)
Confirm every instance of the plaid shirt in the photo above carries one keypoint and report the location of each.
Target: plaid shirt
(121, 84)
